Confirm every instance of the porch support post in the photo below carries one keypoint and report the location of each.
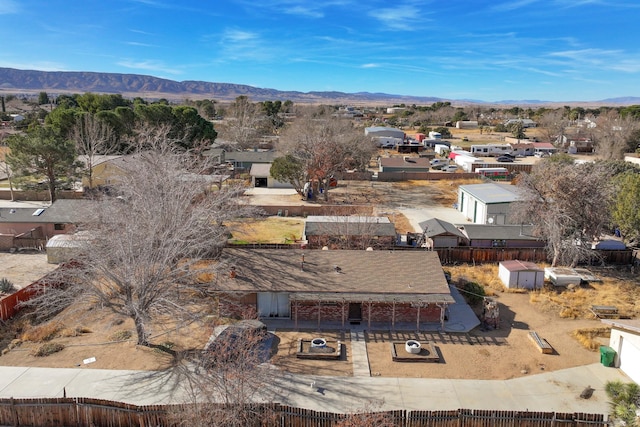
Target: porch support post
(393, 315)
(295, 314)
(370, 303)
(319, 309)
(418, 316)
(344, 304)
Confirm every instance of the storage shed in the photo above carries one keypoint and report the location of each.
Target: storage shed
(625, 340)
(516, 274)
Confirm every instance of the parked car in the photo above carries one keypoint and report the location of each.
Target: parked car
(438, 162)
(449, 168)
(505, 159)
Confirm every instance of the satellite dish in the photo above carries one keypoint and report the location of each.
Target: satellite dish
(490, 220)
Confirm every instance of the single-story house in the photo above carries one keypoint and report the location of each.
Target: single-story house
(487, 203)
(501, 236)
(443, 234)
(520, 274)
(544, 148)
(349, 232)
(336, 286)
(404, 164)
(33, 226)
(625, 340)
(243, 160)
(261, 177)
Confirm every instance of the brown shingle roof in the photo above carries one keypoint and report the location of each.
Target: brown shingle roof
(402, 273)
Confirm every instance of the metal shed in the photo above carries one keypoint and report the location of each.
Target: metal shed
(520, 275)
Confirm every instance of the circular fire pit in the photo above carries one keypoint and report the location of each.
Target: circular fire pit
(318, 343)
(412, 346)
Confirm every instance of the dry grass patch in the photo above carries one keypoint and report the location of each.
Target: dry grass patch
(576, 303)
(591, 338)
(266, 230)
(401, 223)
(483, 274)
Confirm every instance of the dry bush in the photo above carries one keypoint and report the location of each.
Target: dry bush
(48, 349)
(121, 335)
(41, 333)
(588, 337)
(73, 332)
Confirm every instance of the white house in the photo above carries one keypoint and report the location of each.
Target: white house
(625, 340)
(487, 203)
(520, 274)
(261, 177)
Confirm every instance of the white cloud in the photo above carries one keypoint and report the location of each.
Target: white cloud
(8, 7)
(397, 18)
(155, 66)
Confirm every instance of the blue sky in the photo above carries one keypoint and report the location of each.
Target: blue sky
(553, 50)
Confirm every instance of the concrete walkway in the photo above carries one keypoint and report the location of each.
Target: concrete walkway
(552, 391)
(359, 355)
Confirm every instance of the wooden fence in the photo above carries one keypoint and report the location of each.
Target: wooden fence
(80, 412)
(10, 305)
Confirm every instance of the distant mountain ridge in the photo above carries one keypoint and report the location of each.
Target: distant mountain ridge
(131, 85)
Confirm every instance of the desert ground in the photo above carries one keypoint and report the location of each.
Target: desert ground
(502, 353)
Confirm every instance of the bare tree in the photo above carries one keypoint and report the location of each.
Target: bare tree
(552, 125)
(5, 169)
(227, 387)
(326, 145)
(93, 137)
(242, 123)
(147, 249)
(566, 203)
(614, 135)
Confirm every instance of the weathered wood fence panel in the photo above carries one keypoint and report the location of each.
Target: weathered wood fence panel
(81, 412)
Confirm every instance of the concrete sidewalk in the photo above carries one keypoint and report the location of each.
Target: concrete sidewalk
(550, 392)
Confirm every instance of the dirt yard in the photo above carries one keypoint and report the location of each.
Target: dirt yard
(502, 353)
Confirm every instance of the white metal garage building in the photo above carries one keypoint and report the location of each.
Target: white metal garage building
(625, 340)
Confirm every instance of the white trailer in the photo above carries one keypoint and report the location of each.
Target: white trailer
(491, 150)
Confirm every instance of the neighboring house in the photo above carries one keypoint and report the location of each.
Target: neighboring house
(520, 275)
(261, 177)
(442, 234)
(109, 170)
(243, 160)
(349, 232)
(625, 340)
(487, 203)
(544, 148)
(338, 286)
(384, 131)
(526, 123)
(403, 164)
(32, 227)
(501, 236)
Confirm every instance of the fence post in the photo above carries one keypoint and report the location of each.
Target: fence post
(14, 412)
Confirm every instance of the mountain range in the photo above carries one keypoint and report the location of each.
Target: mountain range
(14, 81)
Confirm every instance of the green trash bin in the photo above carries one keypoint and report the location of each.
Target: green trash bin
(607, 355)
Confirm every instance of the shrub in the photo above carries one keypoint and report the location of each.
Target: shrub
(121, 335)
(42, 333)
(588, 337)
(6, 286)
(48, 349)
(473, 292)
